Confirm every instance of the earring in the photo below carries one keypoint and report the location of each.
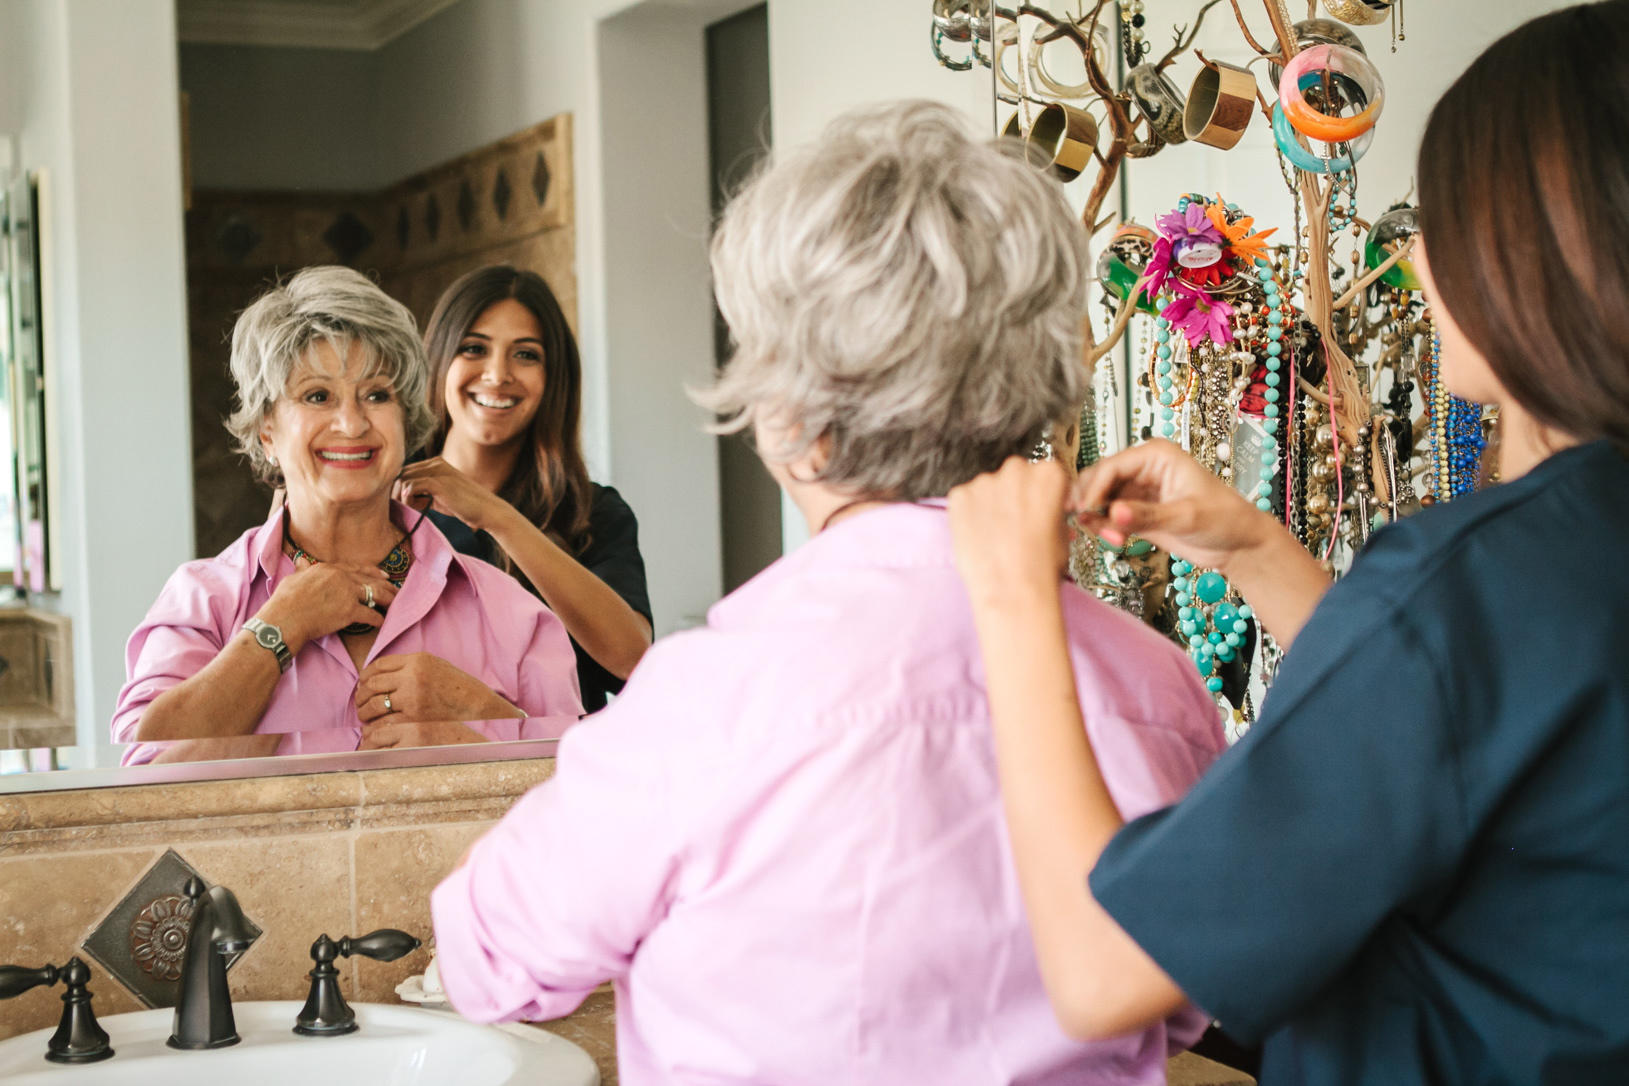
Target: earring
(271, 459)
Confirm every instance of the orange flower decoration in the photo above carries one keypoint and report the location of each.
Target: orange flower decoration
(1242, 245)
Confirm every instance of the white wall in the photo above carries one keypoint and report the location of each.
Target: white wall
(98, 112)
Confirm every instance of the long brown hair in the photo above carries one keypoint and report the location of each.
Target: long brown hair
(1524, 205)
(550, 487)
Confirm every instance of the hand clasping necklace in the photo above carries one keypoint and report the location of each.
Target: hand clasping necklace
(394, 565)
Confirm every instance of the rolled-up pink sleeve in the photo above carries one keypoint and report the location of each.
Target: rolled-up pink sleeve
(548, 674)
(183, 632)
(554, 900)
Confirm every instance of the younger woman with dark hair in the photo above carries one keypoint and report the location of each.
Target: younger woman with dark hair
(509, 484)
(1415, 867)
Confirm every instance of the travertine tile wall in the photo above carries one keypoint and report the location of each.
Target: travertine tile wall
(342, 853)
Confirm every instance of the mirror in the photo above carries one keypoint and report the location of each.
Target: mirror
(337, 124)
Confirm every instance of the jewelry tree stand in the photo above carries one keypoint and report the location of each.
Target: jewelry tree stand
(1305, 377)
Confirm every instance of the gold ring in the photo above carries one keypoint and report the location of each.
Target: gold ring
(389, 708)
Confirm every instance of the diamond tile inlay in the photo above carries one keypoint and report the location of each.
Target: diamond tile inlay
(237, 238)
(501, 193)
(540, 179)
(466, 205)
(347, 237)
(142, 941)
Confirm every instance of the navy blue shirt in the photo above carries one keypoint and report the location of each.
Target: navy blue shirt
(612, 555)
(1415, 868)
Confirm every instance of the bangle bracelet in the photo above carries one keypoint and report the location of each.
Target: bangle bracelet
(1359, 12)
(1346, 69)
(1302, 159)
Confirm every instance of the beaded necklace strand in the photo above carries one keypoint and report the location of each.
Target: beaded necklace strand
(394, 565)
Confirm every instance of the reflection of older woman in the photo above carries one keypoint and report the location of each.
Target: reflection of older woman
(810, 881)
(342, 621)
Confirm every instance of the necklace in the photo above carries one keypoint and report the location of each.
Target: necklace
(394, 565)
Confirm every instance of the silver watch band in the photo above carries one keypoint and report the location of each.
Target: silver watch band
(269, 637)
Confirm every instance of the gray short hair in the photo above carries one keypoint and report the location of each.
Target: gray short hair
(342, 307)
(912, 292)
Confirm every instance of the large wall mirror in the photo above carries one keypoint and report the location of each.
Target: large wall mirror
(589, 140)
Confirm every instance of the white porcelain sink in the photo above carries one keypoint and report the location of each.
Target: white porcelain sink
(393, 1046)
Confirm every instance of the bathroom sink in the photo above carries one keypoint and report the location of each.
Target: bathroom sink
(394, 1046)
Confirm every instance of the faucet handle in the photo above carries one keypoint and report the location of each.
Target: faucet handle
(17, 979)
(326, 1014)
(79, 1038)
(384, 945)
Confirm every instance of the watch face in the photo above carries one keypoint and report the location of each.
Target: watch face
(269, 637)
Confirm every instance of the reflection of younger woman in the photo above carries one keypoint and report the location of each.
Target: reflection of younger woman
(509, 484)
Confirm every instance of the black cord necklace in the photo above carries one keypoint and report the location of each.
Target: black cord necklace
(394, 565)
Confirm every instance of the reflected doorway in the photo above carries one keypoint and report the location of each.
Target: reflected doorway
(739, 134)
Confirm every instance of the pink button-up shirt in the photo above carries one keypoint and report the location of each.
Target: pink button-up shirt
(784, 841)
(469, 613)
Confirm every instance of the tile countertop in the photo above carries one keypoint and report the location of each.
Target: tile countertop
(593, 1027)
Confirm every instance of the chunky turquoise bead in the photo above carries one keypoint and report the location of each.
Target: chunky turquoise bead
(1232, 640)
(1166, 397)
(1264, 505)
(1161, 302)
(1261, 262)
(1167, 430)
(1188, 629)
(1196, 640)
(1241, 627)
(1183, 599)
(1214, 685)
(1163, 334)
(1186, 612)
(1163, 353)
(1275, 333)
(1274, 349)
(1272, 395)
(1206, 664)
(1225, 654)
(1181, 569)
(1211, 587)
(1271, 411)
(1274, 380)
(1275, 317)
(1268, 471)
(1246, 611)
(1165, 384)
(1224, 615)
(1162, 367)
(1271, 425)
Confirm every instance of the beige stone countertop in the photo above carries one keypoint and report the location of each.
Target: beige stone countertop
(593, 1026)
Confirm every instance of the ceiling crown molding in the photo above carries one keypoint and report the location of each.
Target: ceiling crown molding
(361, 25)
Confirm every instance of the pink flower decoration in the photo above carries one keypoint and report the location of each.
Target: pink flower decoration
(1199, 317)
(1159, 267)
(1192, 223)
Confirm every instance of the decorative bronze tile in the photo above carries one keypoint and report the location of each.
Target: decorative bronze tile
(466, 205)
(501, 194)
(237, 238)
(347, 237)
(540, 179)
(142, 941)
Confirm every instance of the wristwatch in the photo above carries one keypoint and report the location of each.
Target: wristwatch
(270, 637)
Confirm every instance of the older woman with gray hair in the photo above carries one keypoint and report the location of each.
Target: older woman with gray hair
(811, 881)
(343, 621)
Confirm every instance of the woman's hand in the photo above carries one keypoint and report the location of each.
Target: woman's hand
(1009, 530)
(450, 491)
(1157, 491)
(323, 598)
(420, 687)
(381, 735)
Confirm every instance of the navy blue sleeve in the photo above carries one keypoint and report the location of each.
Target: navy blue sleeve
(1342, 804)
